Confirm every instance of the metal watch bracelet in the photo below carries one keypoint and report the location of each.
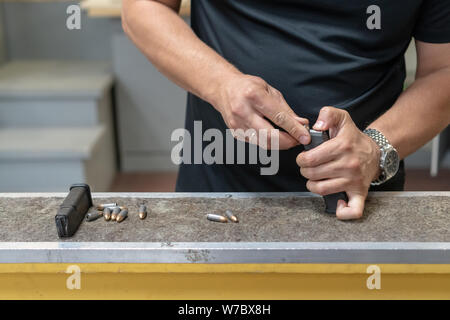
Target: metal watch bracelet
(385, 146)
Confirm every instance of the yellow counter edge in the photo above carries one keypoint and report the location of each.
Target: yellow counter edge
(223, 268)
(223, 281)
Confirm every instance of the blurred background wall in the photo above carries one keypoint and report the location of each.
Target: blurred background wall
(86, 105)
(2, 40)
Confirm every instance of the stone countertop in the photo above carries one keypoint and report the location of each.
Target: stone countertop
(388, 217)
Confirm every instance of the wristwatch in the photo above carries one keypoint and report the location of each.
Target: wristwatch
(389, 160)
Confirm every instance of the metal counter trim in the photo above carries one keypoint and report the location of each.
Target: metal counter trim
(227, 252)
(237, 195)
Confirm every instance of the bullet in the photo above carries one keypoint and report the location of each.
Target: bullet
(216, 218)
(142, 212)
(231, 216)
(92, 216)
(106, 205)
(107, 214)
(115, 213)
(122, 216)
(112, 208)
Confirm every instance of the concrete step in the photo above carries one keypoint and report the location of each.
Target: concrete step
(54, 93)
(51, 159)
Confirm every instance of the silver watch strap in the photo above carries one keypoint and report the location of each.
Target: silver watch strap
(382, 142)
(378, 137)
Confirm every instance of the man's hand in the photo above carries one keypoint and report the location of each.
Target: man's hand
(246, 101)
(348, 162)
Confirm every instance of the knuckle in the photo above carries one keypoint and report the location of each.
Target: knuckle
(251, 92)
(310, 186)
(314, 187)
(255, 86)
(354, 164)
(308, 159)
(280, 118)
(233, 124)
(237, 110)
(345, 146)
(326, 110)
(320, 189)
(299, 160)
(295, 132)
(304, 172)
(277, 94)
(257, 80)
(345, 112)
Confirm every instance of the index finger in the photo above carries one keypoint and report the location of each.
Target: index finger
(278, 111)
(286, 120)
(285, 141)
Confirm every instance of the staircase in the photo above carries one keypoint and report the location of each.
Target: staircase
(56, 126)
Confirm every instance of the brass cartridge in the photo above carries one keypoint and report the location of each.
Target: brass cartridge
(216, 218)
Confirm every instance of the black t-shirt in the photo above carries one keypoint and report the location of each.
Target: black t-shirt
(317, 53)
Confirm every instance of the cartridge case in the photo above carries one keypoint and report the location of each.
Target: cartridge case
(107, 214)
(142, 212)
(115, 213)
(231, 216)
(106, 205)
(92, 216)
(216, 218)
(122, 216)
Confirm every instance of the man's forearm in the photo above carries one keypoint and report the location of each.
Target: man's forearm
(169, 43)
(244, 101)
(420, 113)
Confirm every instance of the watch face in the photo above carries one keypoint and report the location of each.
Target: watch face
(391, 163)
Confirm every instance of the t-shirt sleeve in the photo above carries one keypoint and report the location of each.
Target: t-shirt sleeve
(433, 23)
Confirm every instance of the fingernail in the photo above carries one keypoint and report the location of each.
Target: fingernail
(319, 124)
(303, 139)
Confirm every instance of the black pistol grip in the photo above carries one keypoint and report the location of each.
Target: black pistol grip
(317, 138)
(331, 201)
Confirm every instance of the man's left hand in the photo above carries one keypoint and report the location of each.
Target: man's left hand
(348, 162)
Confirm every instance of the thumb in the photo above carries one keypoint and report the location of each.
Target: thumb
(354, 209)
(330, 117)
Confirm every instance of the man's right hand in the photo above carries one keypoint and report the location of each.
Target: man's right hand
(246, 102)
